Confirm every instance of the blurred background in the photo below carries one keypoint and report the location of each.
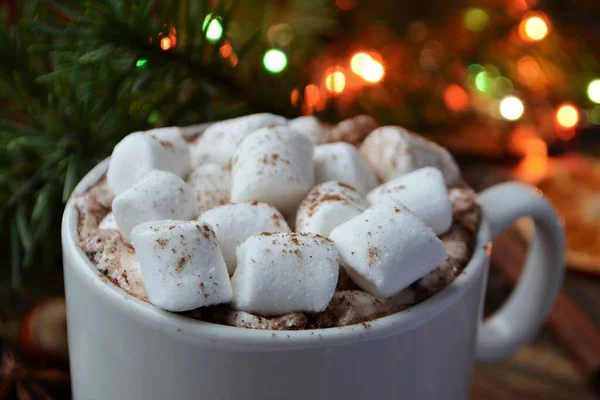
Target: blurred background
(511, 87)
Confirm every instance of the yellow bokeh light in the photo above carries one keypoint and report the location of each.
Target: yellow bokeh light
(358, 61)
(567, 116)
(335, 80)
(511, 108)
(534, 28)
(372, 71)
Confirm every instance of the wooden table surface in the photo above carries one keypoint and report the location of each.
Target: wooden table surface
(542, 369)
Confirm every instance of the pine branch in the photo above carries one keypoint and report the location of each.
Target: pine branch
(71, 86)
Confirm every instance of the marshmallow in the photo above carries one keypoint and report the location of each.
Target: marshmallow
(343, 163)
(234, 223)
(279, 273)
(352, 130)
(310, 126)
(220, 140)
(108, 223)
(423, 192)
(182, 264)
(211, 184)
(273, 165)
(159, 195)
(327, 206)
(387, 248)
(140, 152)
(392, 151)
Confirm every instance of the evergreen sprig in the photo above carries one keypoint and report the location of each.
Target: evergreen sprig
(72, 85)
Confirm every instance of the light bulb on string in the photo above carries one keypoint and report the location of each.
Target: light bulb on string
(567, 116)
(335, 79)
(511, 108)
(593, 91)
(141, 62)
(275, 61)
(476, 19)
(165, 43)
(212, 27)
(534, 27)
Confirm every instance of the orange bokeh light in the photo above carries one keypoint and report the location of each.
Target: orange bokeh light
(456, 98)
(311, 95)
(294, 97)
(534, 164)
(335, 80)
(165, 43)
(226, 50)
(567, 116)
(534, 27)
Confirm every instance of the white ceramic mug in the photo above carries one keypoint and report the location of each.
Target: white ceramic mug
(123, 348)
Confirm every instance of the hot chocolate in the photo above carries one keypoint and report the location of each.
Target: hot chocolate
(276, 224)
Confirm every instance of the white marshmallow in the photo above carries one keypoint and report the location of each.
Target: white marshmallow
(392, 151)
(159, 195)
(328, 205)
(211, 184)
(220, 140)
(352, 130)
(343, 163)
(182, 264)
(140, 152)
(273, 165)
(279, 273)
(234, 223)
(423, 192)
(310, 126)
(386, 248)
(108, 222)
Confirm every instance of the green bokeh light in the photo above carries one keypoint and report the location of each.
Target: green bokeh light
(275, 61)
(213, 28)
(593, 91)
(476, 19)
(154, 117)
(141, 62)
(483, 82)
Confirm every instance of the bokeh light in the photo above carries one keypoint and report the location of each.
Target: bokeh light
(534, 28)
(511, 108)
(165, 43)
(213, 28)
(335, 80)
(312, 95)
(593, 91)
(456, 98)
(294, 97)
(567, 116)
(358, 60)
(483, 82)
(141, 62)
(275, 61)
(476, 19)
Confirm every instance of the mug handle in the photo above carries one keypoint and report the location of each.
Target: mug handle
(524, 312)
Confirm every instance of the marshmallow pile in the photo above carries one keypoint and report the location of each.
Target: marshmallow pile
(261, 212)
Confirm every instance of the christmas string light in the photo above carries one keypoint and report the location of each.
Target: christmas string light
(534, 27)
(335, 80)
(358, 60)
(141, 62)
(511, 108)
(567, 116)
(275, 61)
(213, 28)
(593, 91)
(456, 98)
(476, 19)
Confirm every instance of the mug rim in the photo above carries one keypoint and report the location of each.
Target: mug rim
(236, 338)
